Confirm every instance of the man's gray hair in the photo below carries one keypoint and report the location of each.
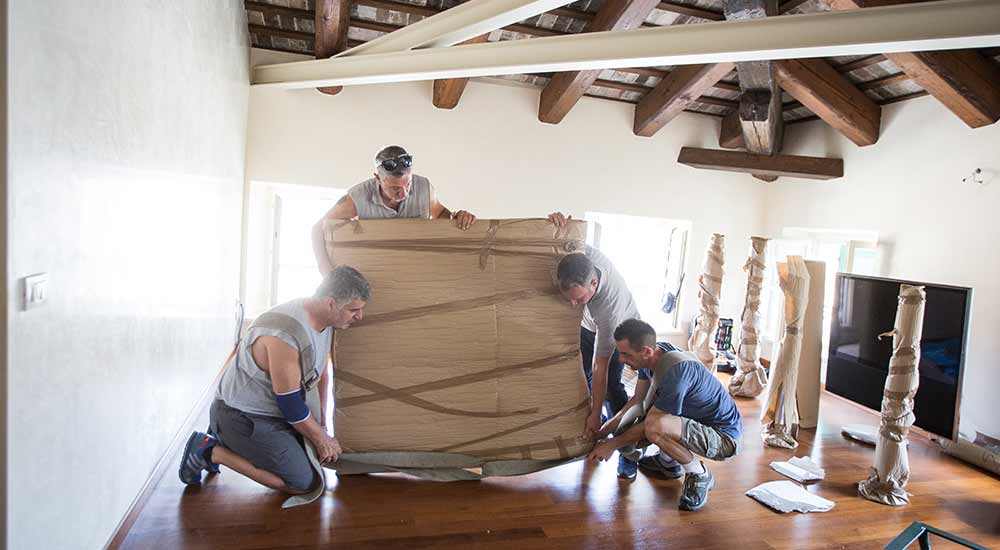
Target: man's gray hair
(575, 270)
(390, 152)
(344, 284)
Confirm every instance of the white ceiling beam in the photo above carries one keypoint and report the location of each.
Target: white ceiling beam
(457, 24)
(943, 25)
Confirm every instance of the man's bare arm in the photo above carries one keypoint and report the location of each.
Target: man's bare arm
(282, 364)
(343, 210)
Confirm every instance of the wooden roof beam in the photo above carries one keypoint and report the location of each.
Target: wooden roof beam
(818, 86)
(566, 88)
(333, 18)
(964, 81)
(447, 91)
(767, 165)
(684, 85)
(731, 132)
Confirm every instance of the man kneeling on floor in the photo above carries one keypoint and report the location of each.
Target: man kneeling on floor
(689, 413)
(260, 416)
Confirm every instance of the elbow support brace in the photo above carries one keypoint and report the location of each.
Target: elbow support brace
(293, 405)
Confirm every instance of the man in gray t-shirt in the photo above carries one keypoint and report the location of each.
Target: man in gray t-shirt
(394, 192)
(591, 279)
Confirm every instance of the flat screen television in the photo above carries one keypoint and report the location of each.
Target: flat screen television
(858, 362)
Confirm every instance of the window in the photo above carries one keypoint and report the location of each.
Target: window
(843, 251)
(280, 264)
(650, 254)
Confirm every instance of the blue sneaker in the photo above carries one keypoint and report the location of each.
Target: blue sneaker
(193, 461)
(626, 468)
(661, 467)
(212, 468)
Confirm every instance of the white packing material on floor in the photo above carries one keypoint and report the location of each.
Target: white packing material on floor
(785, 496)
(861, 432)
(800, 468)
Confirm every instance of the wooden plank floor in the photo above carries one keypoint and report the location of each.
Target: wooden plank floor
(583, 506)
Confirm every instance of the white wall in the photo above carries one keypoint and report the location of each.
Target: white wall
(492, 156)
(127, 155)
(908, 188)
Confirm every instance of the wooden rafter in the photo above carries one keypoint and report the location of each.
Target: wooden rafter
(566, 88)
(965, 82)
(673, 94)
(448, 91)
(692, 11)
(331, 23)
(766, 165)
(818, 86)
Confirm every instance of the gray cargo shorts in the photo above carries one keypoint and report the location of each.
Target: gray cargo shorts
(269, 443)
(706, 441)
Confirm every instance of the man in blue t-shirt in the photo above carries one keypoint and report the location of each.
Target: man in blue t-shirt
(691, 414)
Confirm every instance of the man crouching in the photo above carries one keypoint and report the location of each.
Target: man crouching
(272, 394)
(687, 412)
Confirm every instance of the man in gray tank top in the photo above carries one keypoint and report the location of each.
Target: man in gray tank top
(272, 395)
(394, 192)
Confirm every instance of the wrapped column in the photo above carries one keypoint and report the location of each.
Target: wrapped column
(780, 418)
(892, 467)
(750, 379)
(710, 284)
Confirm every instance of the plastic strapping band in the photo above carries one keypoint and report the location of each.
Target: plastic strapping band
(487, 248)
(454, 381)
(458, 305)
(386, 392)
(532, 424)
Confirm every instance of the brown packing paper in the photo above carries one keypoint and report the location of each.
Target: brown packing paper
(891, 472)
(750, 378)
(779, 417)
(710, 284)
(807, 386)
(466, 346)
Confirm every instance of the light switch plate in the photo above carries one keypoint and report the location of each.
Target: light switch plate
(36, 290)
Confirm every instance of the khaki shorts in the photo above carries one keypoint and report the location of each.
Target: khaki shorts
(706, 441)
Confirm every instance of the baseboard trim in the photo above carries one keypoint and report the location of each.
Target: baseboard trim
(165, 463)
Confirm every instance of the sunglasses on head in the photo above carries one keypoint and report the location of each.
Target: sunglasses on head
(402, 161)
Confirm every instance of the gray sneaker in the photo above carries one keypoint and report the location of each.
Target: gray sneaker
(658, 466)
(696, 488)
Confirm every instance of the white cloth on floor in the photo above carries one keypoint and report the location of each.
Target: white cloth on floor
(800, 468)
(861, 432)
(785, 496)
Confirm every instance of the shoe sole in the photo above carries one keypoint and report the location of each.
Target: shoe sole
(703, 503)
(630, 478)
(187, 450)
(663, 474)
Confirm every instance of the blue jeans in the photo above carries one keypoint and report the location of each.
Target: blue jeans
(616, 397)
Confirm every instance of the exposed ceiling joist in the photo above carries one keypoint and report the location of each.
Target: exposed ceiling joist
(815, 84)
(566, 88)
(766, 165)
(333, 18)
(965, 82)
(692, 11)
(448, 91)
(458, 24)
(673, 94)
(946, 24)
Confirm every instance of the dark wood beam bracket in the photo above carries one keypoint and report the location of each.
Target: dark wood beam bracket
(766, 165)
